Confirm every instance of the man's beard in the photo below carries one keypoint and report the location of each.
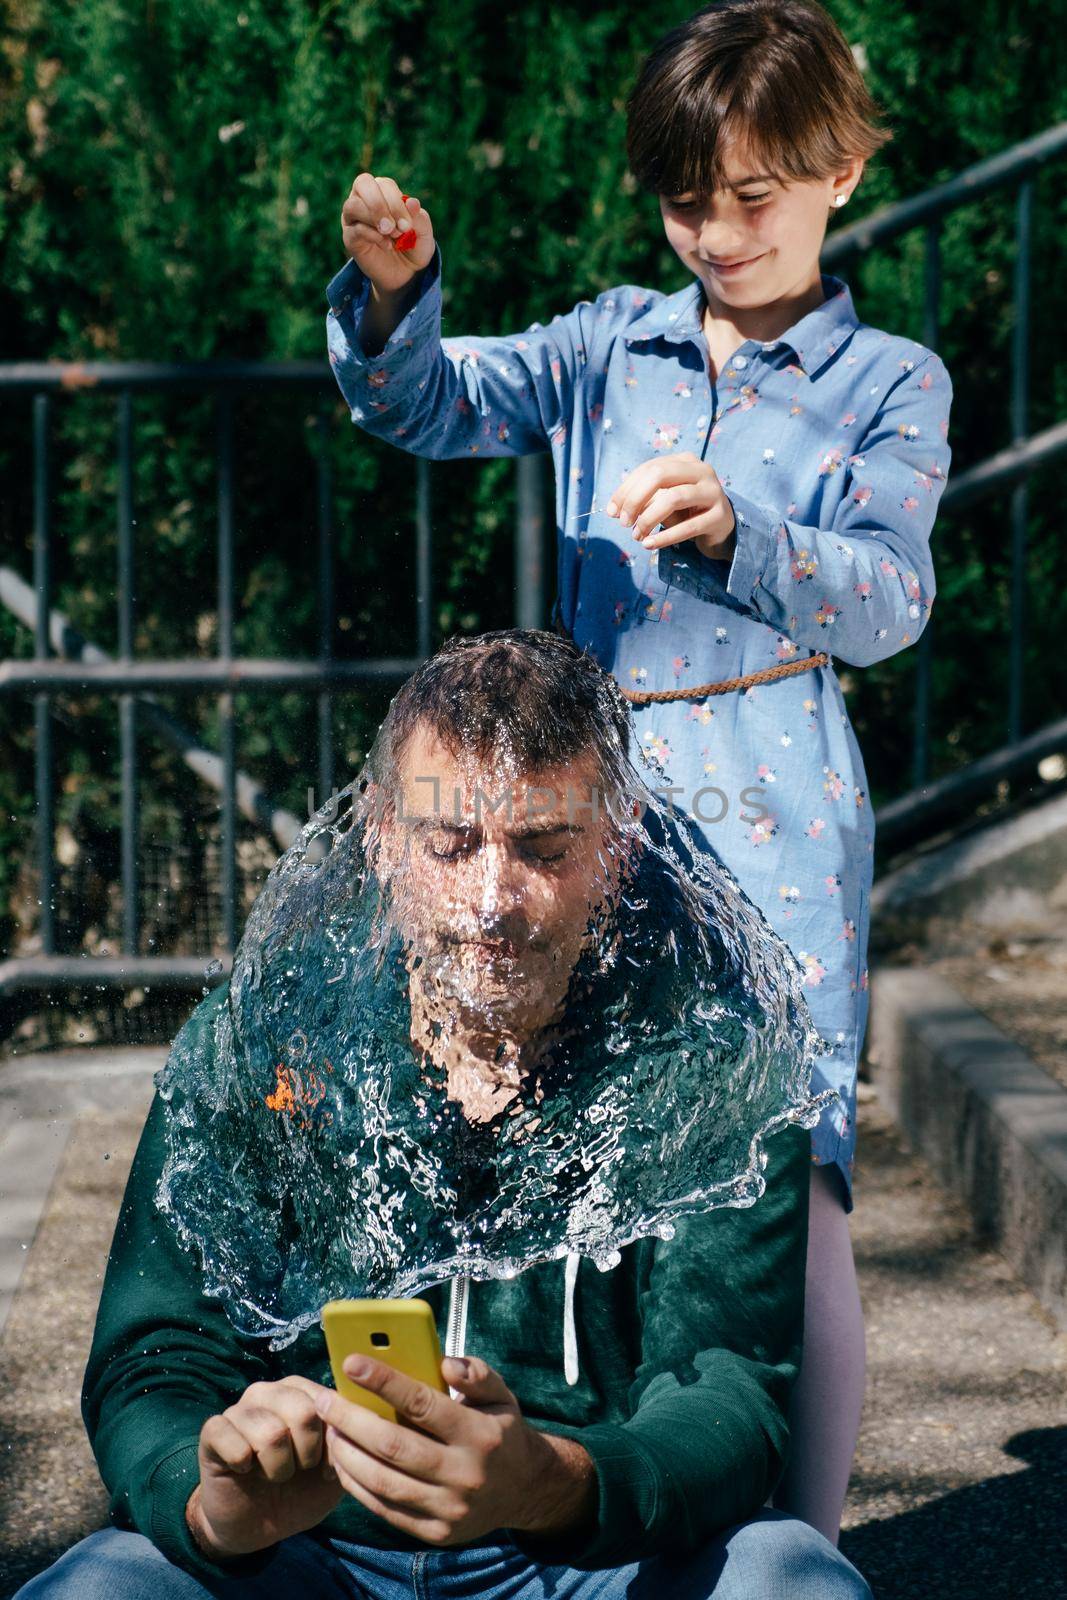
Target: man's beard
(488, 1016)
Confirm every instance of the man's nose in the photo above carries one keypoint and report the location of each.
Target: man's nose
(501, 879)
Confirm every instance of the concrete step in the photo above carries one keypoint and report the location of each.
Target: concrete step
(1007, 873)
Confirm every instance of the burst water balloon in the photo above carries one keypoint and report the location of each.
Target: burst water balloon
(448, 1050)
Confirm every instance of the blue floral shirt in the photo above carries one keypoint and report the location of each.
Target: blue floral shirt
(831, 443)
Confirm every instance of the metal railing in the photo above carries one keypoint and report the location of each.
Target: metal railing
(1014, 168)
(78, 665)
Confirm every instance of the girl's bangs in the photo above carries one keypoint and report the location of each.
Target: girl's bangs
(696, 135)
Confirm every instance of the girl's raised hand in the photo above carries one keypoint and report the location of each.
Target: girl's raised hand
(388, 234)
(685, 495)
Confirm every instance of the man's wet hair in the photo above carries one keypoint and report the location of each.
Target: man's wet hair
(526, 693)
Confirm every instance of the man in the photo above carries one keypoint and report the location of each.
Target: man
(641, 1461)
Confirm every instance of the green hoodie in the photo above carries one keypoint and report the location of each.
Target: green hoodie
(686, 1355)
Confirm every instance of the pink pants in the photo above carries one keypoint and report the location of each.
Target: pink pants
(827, 1399)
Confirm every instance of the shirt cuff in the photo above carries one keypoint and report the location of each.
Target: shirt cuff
(755, 533)
(171, 1483)
(630, 1502)
(348, 293)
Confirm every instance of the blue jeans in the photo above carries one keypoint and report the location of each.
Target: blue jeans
(773, 1554)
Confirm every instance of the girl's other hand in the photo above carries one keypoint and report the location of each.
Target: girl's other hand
(376, 220)
(685, 495)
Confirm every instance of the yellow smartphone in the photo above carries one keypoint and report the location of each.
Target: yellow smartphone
(402, 1333)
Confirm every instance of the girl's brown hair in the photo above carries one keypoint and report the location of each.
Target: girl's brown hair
(776, 75)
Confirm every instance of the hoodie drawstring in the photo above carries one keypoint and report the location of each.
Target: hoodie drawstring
(570, 1334)
(456, 1335)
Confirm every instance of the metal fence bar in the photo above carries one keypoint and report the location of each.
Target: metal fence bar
(925, 648)
(131, 896)
(1020, 389)
(113, 972)
(1006, 167)
(100, 672)
(1007, 466)
(125, 525)
(529, 544)
(228, 799)
(423, 560)
(253, 802)
(325, 598)
(902, 818)
(42, 578)
(70, 376)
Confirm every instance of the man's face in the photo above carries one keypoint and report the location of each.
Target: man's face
(496, 897)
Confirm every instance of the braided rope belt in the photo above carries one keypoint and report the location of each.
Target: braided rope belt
(766, 675)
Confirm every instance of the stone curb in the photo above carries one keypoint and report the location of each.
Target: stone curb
(990, 1122)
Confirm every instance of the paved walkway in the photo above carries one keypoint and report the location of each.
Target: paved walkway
(960, 1478)
(41, 1098)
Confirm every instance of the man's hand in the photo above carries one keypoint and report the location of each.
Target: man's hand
(685, 495)
(454, 1470)
(262, 1472)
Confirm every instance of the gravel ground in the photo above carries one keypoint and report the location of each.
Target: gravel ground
(960, 1477)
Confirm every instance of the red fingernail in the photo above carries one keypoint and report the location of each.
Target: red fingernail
(404, 198)
(408, 240)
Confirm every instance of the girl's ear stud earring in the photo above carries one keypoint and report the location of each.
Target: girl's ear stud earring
(840, 199)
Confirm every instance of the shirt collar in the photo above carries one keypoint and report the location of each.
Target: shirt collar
(812, 340)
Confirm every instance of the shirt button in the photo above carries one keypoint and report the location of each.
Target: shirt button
(740, 361)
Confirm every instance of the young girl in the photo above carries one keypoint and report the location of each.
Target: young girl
(747, 477)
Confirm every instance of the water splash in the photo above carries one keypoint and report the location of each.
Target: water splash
(447, 1051)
